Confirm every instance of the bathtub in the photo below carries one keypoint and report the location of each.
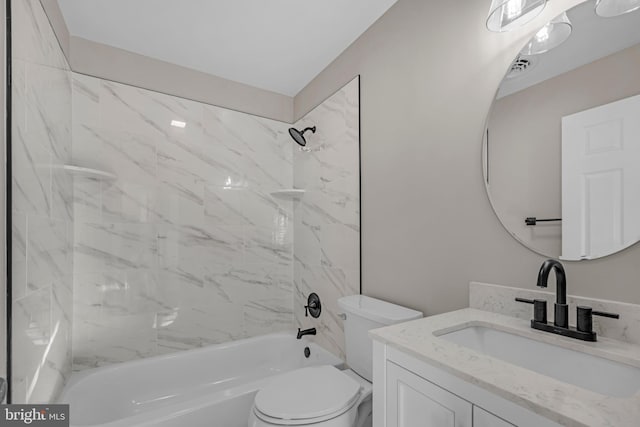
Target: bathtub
(212, 386)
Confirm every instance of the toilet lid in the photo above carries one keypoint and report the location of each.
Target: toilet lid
(306, 393)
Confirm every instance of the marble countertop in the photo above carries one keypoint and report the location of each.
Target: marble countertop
(561, 402)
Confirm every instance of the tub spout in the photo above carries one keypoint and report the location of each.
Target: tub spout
(311, 331)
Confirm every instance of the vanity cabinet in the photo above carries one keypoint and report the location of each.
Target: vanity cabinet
(408, 392)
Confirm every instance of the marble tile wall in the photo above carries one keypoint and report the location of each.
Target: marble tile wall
(327, 218)
(186, 246)
(501, 299)
(42, 208)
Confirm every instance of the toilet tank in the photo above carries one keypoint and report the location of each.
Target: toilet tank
(362, 314)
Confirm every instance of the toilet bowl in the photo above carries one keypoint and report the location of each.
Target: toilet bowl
(324, 396)
(319, 396)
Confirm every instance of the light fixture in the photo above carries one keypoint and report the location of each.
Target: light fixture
(178, 124)
(552, 35)
(505, 15)
(611, 8)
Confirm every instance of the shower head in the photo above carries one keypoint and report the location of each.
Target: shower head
(298, 136)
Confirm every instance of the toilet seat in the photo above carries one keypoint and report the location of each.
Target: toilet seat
(307, 396)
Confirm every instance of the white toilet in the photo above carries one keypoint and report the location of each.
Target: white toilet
(324, 396)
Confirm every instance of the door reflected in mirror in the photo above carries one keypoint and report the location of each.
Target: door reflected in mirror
(561, 155)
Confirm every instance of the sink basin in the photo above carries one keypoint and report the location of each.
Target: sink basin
(593, 373)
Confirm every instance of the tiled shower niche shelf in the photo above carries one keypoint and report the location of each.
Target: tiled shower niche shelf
(288, 194)
(89, 173)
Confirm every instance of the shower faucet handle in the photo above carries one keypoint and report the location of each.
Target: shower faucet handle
(313, 306)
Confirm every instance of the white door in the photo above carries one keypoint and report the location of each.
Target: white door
(413, 401)
(601, 179)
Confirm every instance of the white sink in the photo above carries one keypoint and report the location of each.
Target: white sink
(583, 370)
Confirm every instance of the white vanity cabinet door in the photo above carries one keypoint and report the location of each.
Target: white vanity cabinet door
(413, 401)
(482, 418)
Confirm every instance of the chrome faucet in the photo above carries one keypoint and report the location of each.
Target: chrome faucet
(311, 331)
(584, 328)
(561, 309)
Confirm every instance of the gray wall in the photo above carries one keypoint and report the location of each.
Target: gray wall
(118, 65)
(429, 72)
(525, 133)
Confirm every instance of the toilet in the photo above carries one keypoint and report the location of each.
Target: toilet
(324, 396)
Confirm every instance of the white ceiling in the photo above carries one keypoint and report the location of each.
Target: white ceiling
(592, 38)
(278, 45)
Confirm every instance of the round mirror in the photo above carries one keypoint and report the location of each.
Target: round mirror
(561, 154)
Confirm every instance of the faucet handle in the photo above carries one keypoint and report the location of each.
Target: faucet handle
(605, 314)
(313, 306)
(539, 308)
(585, 317)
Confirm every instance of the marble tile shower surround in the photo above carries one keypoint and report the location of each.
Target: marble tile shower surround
(327, 218)
(186, 247)
(42, 209)
(501, 299)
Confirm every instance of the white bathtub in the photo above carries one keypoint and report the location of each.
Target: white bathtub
(213, 386)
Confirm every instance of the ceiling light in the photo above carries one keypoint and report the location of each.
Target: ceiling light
(611, 8)
(178, 124)
(550, 36)
(505, 15)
